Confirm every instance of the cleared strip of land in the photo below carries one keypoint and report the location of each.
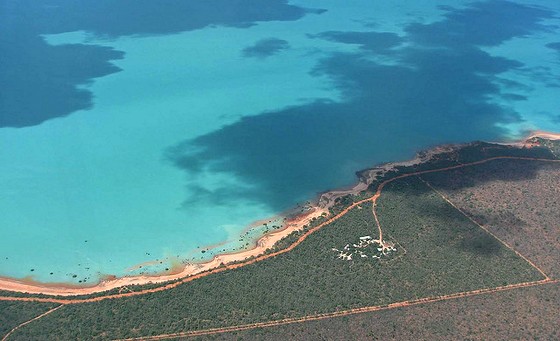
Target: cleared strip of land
(291, 247)
(440, 263)
(527, 313)
(317, 317)
(411, 212)
(29, 321)
(13, 314)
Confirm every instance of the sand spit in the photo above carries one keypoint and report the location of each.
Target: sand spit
(544, 134)
(526, 141)
(295, 221)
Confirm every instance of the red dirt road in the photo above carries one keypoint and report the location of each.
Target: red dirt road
(373, 199)
(304, 236)
(343, 312)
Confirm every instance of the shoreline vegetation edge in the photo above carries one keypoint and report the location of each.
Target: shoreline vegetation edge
(295, 221)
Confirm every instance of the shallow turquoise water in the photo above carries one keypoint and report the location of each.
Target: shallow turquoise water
(214, 123)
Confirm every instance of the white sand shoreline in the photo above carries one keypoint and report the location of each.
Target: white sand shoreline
(323, 203)
(63, 289)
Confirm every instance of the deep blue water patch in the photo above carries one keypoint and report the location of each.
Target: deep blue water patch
(554, 46)
(39, 81)
(378, 42)
(543, 75)
(487, 23)
(265, 48)
(440, 86)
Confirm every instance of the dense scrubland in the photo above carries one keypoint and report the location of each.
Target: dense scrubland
(520, 314)
(439, 251)
(516, 200)
(14, 313)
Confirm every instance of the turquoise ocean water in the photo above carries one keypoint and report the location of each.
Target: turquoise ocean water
(134, 131)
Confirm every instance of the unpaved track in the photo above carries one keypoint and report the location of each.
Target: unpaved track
(304, 236)
(373, 199)
(29, 321)
(485, 229)
(343, 312)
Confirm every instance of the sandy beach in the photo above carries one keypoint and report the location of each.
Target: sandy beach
(267, 241)
(294, 222)
(544, 134)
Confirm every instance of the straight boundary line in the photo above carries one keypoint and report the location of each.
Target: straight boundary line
(29, 321)
(484, 228)
(407, 303)
(54, 299)
(373, 199)
(323, 316)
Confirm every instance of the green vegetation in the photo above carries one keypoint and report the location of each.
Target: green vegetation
(12, 314)
(442, 256)
(472, 152)
(439, 251)
(552, 145)
(516, 200)
(525, 314)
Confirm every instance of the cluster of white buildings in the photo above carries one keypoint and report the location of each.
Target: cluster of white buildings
(356, 250)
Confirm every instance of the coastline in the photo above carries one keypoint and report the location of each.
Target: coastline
(265, 242)
(543, 134)
(294, 223)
